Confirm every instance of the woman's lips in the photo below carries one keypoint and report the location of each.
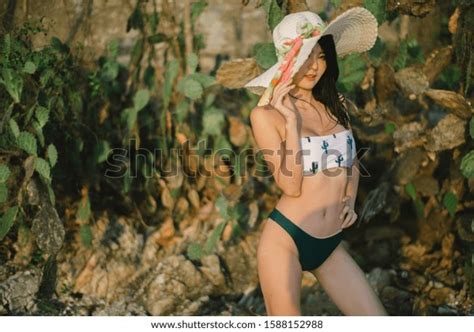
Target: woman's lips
(310, 76)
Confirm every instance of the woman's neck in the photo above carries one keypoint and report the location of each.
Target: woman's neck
(302, 97)
(302, 94)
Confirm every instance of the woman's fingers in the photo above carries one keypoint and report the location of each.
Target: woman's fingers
(344, 211)
(353, 219)
(282, 94)
(350, 219)
(345, 198)
(284, 91)
(279, 86)
(275, 94)
(282, 85)
(348, 215)
(280, 91)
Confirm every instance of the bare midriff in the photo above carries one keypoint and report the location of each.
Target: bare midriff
(319, 206)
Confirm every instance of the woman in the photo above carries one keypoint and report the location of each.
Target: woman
(302, 125)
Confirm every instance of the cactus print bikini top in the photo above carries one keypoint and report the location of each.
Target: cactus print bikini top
(322, 152)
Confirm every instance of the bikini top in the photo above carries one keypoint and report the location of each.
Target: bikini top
(322, 152)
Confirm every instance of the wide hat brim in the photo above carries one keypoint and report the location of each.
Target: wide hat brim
(355, 30)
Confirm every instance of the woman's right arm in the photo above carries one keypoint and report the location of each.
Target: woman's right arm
(283, 157)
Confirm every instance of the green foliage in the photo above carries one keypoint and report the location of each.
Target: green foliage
(54, 107)
(192, 61)
(7, 220)
(157, 38)
(205, 80)
(182, 110)
(196, 9)
(409, 52)
(274, 13)
(140, 100)
(193, 85)
(29, 67)
(213, 121)
(390, 127)
(42, 167)
(223, 147)
(467, 165)
(410, 189)
(59, 46)
(14, 127)
(84, 211)
(401, 59)
(190, 88)
(265, 54)
(419, 207)
(222, 206)
(135, 21)
(129, 116)
(113, 49)
(27, 142)
(52, 196)
(378, 52)
(378, 8)
(42, 115)
(194, 251)
(86, 235)
(3, 193)
(351, 72)
(471, 127)
(4, 173)
(172, 70)
(13, 83)
(52, 155)
(450, 202)
(51, 77)
(211, 242)
(335, 3)
(101, 151)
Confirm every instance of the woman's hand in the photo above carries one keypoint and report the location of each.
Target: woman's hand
(280, 92)
(347, 213)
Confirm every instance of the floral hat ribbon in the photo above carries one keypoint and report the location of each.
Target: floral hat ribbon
(289, 51)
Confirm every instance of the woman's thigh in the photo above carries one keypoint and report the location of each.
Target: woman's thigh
(279, 271)
(346, 285)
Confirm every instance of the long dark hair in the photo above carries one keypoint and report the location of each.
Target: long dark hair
(325, 90)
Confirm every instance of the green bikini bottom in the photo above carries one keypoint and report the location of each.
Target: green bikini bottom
(313, 251)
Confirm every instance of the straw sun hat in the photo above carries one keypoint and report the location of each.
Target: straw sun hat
(355, 30)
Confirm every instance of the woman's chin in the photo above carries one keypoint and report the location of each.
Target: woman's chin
(307, 85)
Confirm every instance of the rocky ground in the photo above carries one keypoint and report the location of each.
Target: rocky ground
(127, 273)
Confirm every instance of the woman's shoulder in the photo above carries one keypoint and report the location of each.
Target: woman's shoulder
(267, 115)
(260, 113)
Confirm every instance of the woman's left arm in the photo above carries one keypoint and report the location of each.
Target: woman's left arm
(352, 183)
(353, 176)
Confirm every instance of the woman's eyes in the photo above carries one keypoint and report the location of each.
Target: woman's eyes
(321, 56)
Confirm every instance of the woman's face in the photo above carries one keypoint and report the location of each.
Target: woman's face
(312, 69)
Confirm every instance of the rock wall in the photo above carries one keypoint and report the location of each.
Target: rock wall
(230, 29)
